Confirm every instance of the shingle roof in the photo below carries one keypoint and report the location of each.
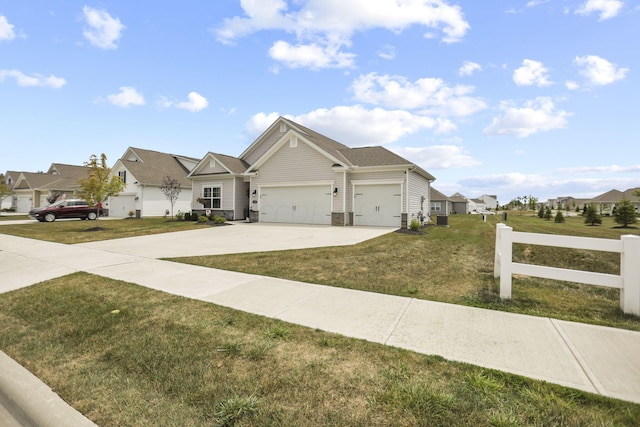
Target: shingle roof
(362, 156)
(436, 195)
(234, 164)
(609, 196)
(457, 197)
(154, 166)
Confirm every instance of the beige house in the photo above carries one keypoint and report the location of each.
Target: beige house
(32, 189)
(605, 202)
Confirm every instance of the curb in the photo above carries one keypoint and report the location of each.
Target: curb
(31, 402)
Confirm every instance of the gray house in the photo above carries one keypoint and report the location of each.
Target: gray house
(296, 175)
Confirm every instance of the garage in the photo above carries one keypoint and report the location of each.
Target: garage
(378, 205)
(296, 204)
(120, 206)
(23, 204)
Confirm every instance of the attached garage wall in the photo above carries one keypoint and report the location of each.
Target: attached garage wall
(119, 207)
(418, 188)
(155, 203)
(296, 204)
(376, 204)
(23, 203)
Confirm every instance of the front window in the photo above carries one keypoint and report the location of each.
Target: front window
(212, 197)
(123, 176)
(435, 206)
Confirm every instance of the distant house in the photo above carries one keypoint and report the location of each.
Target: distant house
(459, 204)
(490, 201)
(32, 189)
(293, 174)
(440, 204)
(477, 205)
(606, 202)
(142, 172)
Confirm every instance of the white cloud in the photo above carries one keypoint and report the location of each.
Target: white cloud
(6, 29)
(432, 95)
(438, 156)
(539, 115)
(36, 80)
(571, 85)
(312, 55)
(468, 68)
(103, 31)
(601, 169)
(531, 73)
(126, 97)
(534, 3)
(325, 27)
(358, 126)
(387, 52)
(195, 102)
(606, 8)
(599, 71)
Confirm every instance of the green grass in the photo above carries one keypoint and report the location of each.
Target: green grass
(455, 265)
(85, 231)
(13, 217)
(125, 355)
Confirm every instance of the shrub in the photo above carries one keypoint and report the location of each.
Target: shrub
(219, 219)
(187, 216)
(180, 216)
(559, 217)
(131, 214)
(194, 216)
(415, 225)
(202, 218)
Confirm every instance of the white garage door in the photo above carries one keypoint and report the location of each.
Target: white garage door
(296, 205)
(120, 206)
(378, 205)
(23, 204)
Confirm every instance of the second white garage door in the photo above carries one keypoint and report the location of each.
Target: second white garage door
(296, 205)
(378, 205)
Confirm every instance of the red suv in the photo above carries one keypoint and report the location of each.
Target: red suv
(70, 208)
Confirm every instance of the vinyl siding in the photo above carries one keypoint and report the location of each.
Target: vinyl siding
(418, 188)
(264, 146)
(207, 169)
(227, 191)
(155, 203)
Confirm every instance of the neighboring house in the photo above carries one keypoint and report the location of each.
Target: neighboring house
(10, 201)
(296, 175)
(440, 204)
(31, 189)
(459, 204)
(142, 172)
(477, 205)
(490, 201)
(606, 202)
(219, 185)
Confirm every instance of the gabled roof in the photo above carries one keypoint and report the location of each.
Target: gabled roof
(151, 166)
(233, 165)
(341, 154)
(457, 198)
(436, 195)
(609, 196)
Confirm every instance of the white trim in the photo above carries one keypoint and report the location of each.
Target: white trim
(376, 181)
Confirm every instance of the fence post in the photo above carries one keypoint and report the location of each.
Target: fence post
(496, 258)
(630, 272)
(506, 257)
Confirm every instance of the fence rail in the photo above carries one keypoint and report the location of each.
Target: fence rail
(628, 281)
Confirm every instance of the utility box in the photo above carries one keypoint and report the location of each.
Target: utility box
(442, 221)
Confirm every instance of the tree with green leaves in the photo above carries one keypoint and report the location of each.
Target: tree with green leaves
(97, 187)
(591, 215)
(541, 212)
(547, 213)
(5, 190)
(559, 217)
(625, 213)
(533, 203)
(171, 189)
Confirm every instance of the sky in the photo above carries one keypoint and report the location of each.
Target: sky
(510, 98)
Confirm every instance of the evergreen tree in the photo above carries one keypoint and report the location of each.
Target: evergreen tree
(547, 213)
(591, 215)
(625, 213)
(541, 212)
(559, 217)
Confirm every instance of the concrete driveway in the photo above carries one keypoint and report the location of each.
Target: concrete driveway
(238, 237)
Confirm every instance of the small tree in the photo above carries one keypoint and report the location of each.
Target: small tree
(97, 187)
(591, 215)
(171, 189)
(533, 203)
(541, 212)
(547, 213)
(559, 217)
(5, 190)
(625, 213)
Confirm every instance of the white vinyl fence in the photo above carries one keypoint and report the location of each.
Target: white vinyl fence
(628, 246)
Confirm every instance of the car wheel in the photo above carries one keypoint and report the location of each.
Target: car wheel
(50, 217)
(92, 216)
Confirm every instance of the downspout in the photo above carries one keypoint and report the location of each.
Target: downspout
(344, 197)
(406, 199)
(233, 198)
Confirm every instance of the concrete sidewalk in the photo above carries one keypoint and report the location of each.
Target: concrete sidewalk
(586, 357)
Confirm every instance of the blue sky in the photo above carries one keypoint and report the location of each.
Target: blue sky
(512, 98)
